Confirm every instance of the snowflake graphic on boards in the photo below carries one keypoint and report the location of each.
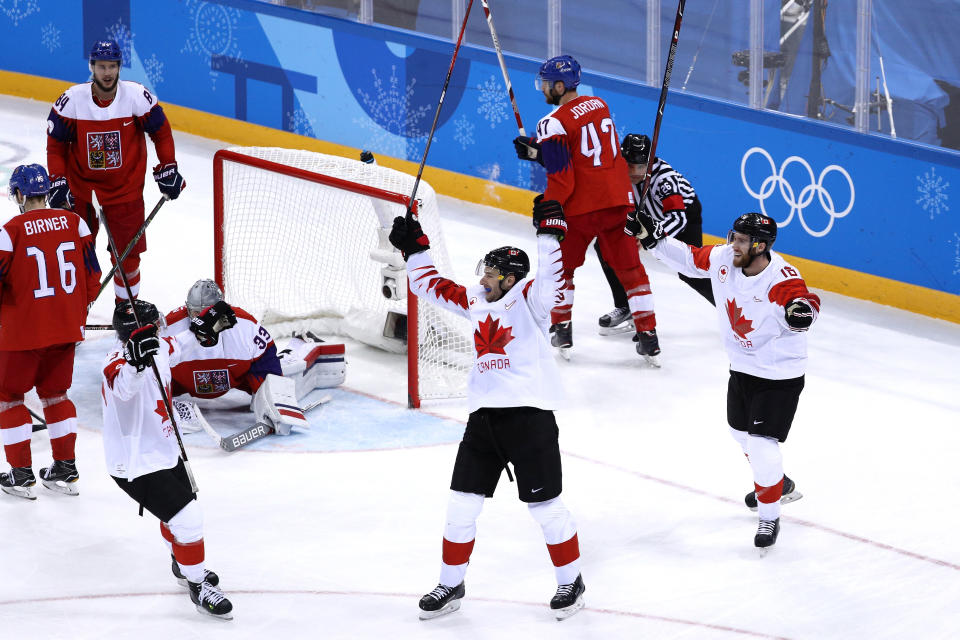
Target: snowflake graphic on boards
(492, 101)
(933, 193)
(154, 69)
(213, 29)
(395, 126)
(124, 37)
(17, 10)
(300, 122)
(956, 254)
(50, 36)
(463, 131)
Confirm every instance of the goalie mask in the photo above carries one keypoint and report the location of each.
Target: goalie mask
(203, 294)
(124, 322)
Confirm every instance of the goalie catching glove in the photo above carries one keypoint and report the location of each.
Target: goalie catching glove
(548, 218)
(644, 228)
(211, 321)
(141, 347)
(408, 237)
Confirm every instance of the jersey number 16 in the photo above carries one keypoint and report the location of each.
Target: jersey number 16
(68, 272)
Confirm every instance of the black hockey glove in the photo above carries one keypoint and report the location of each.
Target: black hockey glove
(408, 237)
(59, 196)
(548, 218)
(169, 180)
(211, 321)
(142, 345)
(799, 314)
(644, 228)
(528, 149)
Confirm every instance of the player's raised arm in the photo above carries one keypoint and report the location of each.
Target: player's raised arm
(546, 289)
(425, 281)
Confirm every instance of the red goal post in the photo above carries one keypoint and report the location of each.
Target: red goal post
(293, 236)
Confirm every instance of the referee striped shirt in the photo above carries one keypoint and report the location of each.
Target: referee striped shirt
(669, 197)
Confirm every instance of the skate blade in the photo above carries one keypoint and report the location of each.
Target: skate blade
(28, 493)
(763, 551)
(59, 486)
(224, 616)
(625, 327)
(653, 361)
(450, 607)
(564, 353)
(566, 612)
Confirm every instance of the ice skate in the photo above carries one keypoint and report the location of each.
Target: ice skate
(441, 601)
(767, 532)
(562, 337)
(568, 599)
(790, 494)
(209, 576)
(615, 321)
(648, 346)
(19, 482)
(61, 477)
(210, 600)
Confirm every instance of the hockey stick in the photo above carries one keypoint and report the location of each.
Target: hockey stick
(130, 245)
(37, 427)
(436, 116)
(153, 365)
(503, 67)
(246, 436)
(663, 99)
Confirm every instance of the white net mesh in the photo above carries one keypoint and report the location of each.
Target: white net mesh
(296, 254)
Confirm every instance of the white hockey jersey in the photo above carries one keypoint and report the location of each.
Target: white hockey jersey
(241, 359)
(138, 437)
(750, 309)
(514, 364)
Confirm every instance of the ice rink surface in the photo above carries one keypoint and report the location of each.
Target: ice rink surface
(336, 533)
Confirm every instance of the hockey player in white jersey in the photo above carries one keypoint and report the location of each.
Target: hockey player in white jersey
(513, 388)
(142, 452)
(764, 310)
(243, 356)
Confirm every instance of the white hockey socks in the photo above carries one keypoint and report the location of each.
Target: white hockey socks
(560, 534)
(766, 461)
(459, 534)
(184, 533)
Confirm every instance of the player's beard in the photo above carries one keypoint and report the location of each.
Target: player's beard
(105, 89)
(745, 259)
(553, 98)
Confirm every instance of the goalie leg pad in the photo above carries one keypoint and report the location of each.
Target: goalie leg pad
(276, 403)
(313, 365)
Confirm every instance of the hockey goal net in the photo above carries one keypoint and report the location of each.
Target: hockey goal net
(294, 232)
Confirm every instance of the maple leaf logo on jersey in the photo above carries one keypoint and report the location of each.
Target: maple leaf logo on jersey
(161, 411)
(489, 337)
(740, 325)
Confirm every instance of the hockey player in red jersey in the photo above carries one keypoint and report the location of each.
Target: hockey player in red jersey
(764, 310)
(142, 452)
(577, 144)
(513, 388)
(95, 143)
(49, 274)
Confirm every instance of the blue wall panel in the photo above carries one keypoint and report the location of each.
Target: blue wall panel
(866, 203)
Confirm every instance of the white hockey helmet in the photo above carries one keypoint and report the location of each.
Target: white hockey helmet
(202, 294)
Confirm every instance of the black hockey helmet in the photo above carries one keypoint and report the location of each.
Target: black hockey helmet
(506, 260)
(760, 228)
(124, 323)
(635, 148)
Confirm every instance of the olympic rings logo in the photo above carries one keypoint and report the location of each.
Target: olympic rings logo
(797, 202)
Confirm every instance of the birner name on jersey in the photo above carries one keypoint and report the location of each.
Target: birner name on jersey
(44, 224)
(493, 363)
(586, 107)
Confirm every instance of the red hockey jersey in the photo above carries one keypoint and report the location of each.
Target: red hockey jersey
(49, 274)
(103, 149)
(581, 153)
